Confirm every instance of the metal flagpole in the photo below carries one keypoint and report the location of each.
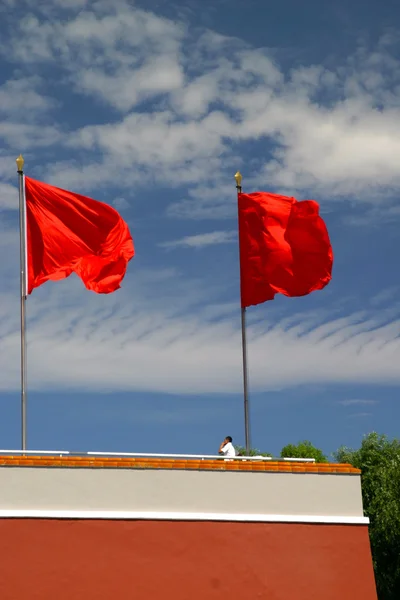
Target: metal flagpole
(23, 271)
(238, 179)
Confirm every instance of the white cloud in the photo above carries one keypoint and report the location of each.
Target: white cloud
(186, 108)
(357, 402)
(104, 39)
(385, 296)
(137, 339)
(42, 5)
(120, 204)
(207, 201)
(319, 131)
(125, 88)
(20, 98)
(360, 415)
(8, 196)
(202, 239)
(20, 136)
(24, 120)
(158, 138)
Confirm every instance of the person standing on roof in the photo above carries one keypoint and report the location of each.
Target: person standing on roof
(227, 448)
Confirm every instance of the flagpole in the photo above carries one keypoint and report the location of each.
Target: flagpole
(238, 179)
(22, 241)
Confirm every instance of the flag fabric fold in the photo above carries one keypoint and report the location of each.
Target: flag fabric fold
(284, 247)
(70, 233)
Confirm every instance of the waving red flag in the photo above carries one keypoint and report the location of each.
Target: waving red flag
(284, 247)
(68, 233)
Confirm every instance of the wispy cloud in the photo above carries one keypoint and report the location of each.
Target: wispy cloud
(120, 204)
(360, 415)
(8, 196)
(139, 339)
(358, 402)
(202, 239)
(385, 296)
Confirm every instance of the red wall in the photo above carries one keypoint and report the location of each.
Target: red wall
(142, 560)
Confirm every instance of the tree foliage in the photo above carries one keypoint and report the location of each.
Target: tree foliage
(241, 451)
(303, 449)
(379, 461)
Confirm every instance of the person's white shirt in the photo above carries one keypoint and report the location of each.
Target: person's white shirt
(228, 450)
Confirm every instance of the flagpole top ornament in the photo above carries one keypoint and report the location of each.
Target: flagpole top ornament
(238, 179)
(20, 163)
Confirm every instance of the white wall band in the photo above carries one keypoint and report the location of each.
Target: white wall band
(179, 516)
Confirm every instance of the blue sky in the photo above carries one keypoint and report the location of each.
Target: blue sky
(152, 107)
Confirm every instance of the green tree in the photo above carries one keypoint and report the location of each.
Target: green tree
(241, 451)
(379, 461)
(303, 449)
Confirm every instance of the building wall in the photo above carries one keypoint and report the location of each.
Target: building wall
(114, 529)
(145, 560)
(265, 494)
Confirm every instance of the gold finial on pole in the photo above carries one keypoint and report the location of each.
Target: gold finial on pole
(238, 179)
(20, 163)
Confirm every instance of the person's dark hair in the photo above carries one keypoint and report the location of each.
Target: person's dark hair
(228, 437)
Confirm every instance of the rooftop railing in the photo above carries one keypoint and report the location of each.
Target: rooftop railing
(151, 455)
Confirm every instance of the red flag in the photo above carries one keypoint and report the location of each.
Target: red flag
(67, 233)
(284, 247)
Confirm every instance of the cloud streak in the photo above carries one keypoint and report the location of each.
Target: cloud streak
(139, 341)
(358, 402)
(202, 240)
